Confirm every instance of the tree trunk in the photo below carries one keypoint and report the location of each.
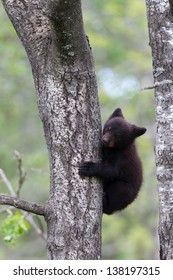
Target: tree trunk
(160, 23)
(53, 35)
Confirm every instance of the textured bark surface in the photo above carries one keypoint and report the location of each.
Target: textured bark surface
(53, 36)
(160, 22)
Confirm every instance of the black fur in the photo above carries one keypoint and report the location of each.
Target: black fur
(120, 169)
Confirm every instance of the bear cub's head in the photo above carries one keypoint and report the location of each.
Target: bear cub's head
(118, 133)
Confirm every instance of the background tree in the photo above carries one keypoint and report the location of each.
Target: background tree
(160, 22)
(60, 56)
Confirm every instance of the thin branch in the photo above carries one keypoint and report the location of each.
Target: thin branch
(157, 84)
(21, 171)
(22, 204)
(148, 88)
(38, 229)
(39, 223)
(29, 217)
(3, 210)
(7, 183)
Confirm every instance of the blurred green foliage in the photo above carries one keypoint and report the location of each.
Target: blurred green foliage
(118, 35)
(13, 227)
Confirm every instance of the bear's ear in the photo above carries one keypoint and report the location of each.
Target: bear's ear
(138, 131)
(116, 113)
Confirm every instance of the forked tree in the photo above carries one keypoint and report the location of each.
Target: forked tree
(53, 36)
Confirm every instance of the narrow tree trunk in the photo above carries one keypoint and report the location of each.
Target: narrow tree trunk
(160, 23)
(65, 81)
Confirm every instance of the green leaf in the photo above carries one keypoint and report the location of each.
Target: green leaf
(13, 227)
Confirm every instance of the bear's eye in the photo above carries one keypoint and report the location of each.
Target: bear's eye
(108, 128)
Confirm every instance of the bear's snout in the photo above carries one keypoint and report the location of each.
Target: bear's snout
(106, 139)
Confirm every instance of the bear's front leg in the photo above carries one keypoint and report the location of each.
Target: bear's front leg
(89, 168)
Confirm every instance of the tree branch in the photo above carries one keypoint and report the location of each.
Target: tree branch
(32, 26)
(171, 5)
(7, 183)
(29, 217)
(21, 171)
(38, 229)
(68, 31)
(22, 204)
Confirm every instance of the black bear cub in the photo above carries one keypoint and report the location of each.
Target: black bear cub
(120, 168)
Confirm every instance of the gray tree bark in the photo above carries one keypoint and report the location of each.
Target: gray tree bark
(53, 35)
(160, 23)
